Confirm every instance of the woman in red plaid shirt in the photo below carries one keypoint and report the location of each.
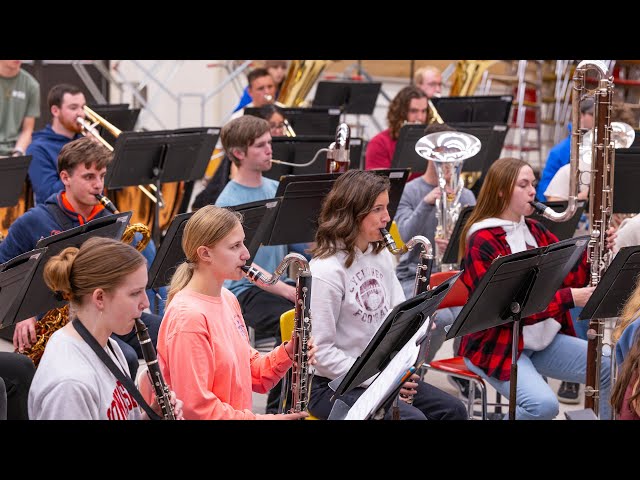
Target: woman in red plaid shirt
(548, 346)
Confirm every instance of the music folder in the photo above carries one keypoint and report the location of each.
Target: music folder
(400, 345)
(15, 275)
(13, 172)
(258, 218)
(302, 196)
(38, 299)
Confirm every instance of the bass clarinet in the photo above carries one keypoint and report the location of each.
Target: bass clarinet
(300, 378)
(423, 271)
(160, 387)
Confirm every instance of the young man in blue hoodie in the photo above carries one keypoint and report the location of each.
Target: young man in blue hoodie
(82, 165)
(66, 104)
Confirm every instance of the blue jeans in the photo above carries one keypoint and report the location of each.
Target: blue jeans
(565, 358)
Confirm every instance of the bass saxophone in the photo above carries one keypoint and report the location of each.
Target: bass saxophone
(600, 203)
(160, 387)
(425, 263)
(300, 378)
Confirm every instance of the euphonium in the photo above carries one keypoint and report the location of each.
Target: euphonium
(447, 150)
(160, 387)
(600, 200)
(57, 318)
(300, 379)
(423, 271)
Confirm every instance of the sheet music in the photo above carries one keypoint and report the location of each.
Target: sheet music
(389, 379)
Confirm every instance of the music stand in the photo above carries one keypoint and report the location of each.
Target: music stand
(160, 157)
(307, 121)
(13, 172)
(615, 286)
(517, 286)
(301, 149)
(487, 108)
(399, 326)
(352, 96)
(15, 275)
(491, 136)
(625, 175)
(258, 218)
(302, 196)
(562, 230)
(37, 297)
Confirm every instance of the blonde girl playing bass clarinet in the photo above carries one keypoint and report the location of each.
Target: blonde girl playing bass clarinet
(203, 345)
(105, 282)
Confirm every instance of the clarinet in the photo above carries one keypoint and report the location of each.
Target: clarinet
(160, 388)
(106, 203)
(423, 271)
(300, 377)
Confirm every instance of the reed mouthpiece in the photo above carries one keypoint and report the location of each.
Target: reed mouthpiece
(245, 268)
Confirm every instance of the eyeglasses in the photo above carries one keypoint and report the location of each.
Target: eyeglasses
(276, 125)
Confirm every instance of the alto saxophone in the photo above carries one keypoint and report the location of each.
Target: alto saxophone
(300, 377)
(160, 387)
(425, 263)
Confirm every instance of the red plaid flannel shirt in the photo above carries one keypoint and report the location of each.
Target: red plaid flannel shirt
(490, 349)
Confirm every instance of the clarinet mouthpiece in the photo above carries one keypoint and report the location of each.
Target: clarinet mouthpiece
(245, 268)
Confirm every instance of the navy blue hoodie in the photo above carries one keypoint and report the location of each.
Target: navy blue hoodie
(43, 170)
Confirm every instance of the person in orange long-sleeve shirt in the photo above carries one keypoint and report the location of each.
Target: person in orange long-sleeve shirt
(203, 345)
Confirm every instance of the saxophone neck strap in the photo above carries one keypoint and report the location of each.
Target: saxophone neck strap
(119, 374)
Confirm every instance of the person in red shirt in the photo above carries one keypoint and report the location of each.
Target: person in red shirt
(409, 105)
(548, 346)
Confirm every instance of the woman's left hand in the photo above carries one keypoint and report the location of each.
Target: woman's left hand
(311, 349)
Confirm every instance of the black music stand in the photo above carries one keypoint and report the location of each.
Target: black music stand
(491, 136)
(301, 149)
(516, 286)
(562, 230)
(394, 332)
(625, 175)
(258, 218)
(351, 96)
(15, 276)
(13, 172)
(40, 298)
(615, 287)
(481, 108)
(160, 157)
(302, 196)
(307, 121)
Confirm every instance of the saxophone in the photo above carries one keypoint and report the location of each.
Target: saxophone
(300, 377)
(57, 318)
(423, 271)
(160, 387)
(600, 203)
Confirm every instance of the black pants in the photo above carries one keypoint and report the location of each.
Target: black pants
(430, 403)
(131, 346)
(261, 311)
(17, 371)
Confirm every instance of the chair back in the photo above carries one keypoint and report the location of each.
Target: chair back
(286, 324)
(457, 296)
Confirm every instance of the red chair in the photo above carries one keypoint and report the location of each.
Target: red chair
(455, 366)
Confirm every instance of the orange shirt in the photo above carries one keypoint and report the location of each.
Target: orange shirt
(205, 357)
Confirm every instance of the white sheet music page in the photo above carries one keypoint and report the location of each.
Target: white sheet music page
(388, 380)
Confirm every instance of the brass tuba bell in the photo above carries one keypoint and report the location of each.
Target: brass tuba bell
(301, 77)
